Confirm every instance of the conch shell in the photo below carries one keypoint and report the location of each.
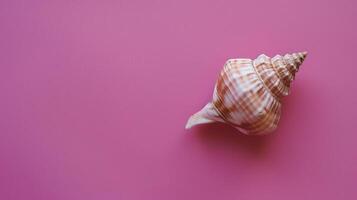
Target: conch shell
(248, 93)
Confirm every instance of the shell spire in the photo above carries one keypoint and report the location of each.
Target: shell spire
(278, 72)
(248, 93)
(286, 66)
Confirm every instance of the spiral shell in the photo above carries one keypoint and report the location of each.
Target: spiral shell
(248, 93)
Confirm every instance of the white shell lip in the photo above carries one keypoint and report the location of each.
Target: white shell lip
(207, 114)
(196, 120)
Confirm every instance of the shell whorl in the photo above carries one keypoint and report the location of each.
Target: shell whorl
(278, 72)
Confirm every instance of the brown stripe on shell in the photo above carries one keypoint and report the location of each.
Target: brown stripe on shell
(263, 82)
(222, 90)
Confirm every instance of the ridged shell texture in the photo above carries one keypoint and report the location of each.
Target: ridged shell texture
(248, 93)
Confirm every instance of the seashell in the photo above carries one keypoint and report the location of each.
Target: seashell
(248, 93)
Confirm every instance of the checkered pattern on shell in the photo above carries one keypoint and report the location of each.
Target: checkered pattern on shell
(248, 93)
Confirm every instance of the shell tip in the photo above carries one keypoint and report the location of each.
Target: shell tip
(304, 54)
(204, 116)
(197, 119)
(189, 123)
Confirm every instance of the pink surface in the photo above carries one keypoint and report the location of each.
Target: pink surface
(95, 96)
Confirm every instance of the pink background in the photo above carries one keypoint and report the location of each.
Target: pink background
(95, 96)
